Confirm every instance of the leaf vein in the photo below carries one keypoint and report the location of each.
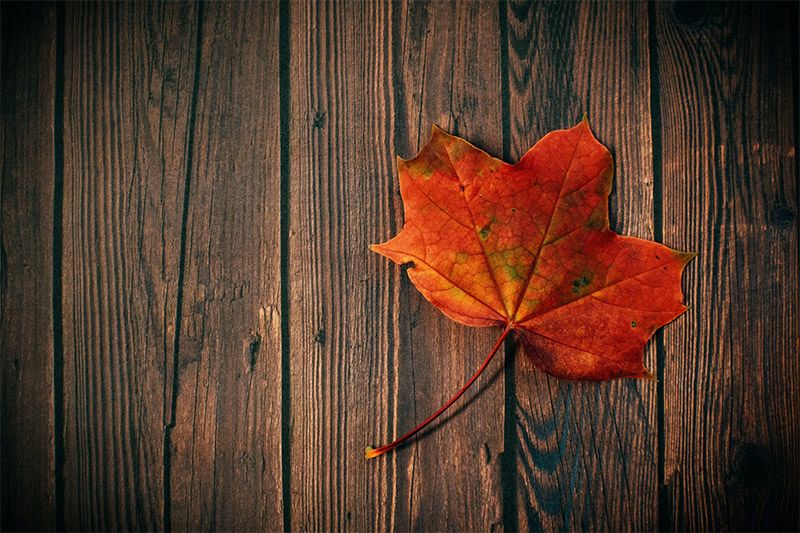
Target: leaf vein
(547, 228)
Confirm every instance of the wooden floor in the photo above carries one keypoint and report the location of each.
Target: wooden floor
(195, 336)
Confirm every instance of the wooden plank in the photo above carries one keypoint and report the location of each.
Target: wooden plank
(732, 375)
(127, 90)
(446, 72)
(27, 198)
(225, 446)
(370, 357)
(586, 454)
(342, 331)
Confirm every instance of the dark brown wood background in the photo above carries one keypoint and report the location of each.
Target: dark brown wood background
(194, 335)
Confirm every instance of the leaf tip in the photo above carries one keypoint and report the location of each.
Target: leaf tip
(647, 375)
(584, 124)
(377, 248)
(686, 257)
(438, 134)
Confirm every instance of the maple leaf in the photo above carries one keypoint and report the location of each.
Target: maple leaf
(527, 247)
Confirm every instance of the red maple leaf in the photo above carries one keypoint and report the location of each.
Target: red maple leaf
(527, 247)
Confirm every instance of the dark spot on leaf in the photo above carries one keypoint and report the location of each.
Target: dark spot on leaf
(633, 324)
(484, 232)
(595, 223)
(513, 209)
(319, 120)
(579, 283)
(461, 187)
(657, 257)
(319, 338)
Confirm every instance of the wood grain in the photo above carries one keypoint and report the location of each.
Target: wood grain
(27, 196)
(225, 454)
(195, 336)
(370, 358)
(732, 375)
(342, 299)
(586, 454)
(128, 78)
(446, 72)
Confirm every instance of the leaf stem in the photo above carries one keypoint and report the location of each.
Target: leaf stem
(376, 452)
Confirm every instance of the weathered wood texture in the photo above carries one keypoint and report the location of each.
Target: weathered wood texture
(339, 316)
(368, 81)
(586, 454)
(729, 161)
(194, 335)
(225, 456)
(27, 196)
(446, 71)
(128, 78)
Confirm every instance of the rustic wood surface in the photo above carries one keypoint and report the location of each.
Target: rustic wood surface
(194, 335)
(585, 454)
(124, 160)
(729, 183)
(29, 286)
